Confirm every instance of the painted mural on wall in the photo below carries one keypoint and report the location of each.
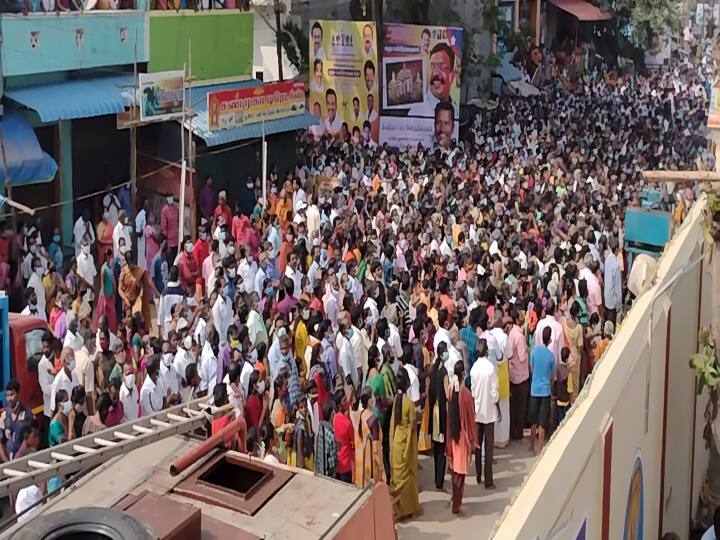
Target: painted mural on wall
(633, 529)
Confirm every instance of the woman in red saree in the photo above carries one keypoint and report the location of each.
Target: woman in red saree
(460, 439)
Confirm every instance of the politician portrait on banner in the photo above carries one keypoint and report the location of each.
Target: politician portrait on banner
(421, 84)
(344, 80)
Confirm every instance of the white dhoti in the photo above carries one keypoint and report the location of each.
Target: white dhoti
(502, 426)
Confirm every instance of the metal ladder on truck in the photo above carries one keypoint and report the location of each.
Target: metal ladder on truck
(86, 452)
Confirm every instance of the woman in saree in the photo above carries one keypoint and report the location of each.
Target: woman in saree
(106, 298)
(134, 287)
(403, 452)
(461, 432)
(104, 234)
(368, 441)
(573, 332)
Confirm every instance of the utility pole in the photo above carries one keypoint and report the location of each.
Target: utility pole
(279, 9)
(133, 132)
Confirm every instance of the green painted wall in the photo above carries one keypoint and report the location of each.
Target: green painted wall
(222, 42)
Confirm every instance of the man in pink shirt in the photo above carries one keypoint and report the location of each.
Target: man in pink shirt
(517, 354)
(587, 272)
(169, 220)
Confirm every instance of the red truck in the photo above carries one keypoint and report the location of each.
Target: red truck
(21, 350)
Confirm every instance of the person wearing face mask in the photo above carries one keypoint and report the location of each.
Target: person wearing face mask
(222, 210)
(31, 305)
(184, 355)
(115, 412)
(66, 379)
(86, 269)
(55, 249)
(256, 404)
(169, 378)
(207, 366)
(187, 265)
(346, 354)
(201, 248)
(169, 221)
(171, 295)
(59, 431)
(152, 395)
(35, 283)
(121, 230)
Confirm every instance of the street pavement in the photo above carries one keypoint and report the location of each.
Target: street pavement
(482, 507)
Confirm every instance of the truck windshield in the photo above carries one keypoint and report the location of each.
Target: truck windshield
(33, 347)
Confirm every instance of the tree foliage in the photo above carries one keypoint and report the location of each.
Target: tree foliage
(295, 44)
(641, 19)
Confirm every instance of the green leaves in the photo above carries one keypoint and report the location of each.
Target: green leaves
(704, 363)
(645, 17)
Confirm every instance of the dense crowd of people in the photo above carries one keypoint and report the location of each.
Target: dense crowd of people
(380, 303)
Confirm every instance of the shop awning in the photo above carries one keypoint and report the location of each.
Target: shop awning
(582, 10)
(26, 161)
(250, 131)
(76, 98)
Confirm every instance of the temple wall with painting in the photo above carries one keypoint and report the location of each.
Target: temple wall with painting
(629, 460)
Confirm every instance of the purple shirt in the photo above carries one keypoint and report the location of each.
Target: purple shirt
(60, 328)
(223, 360)
(286, 304)
(206, 198)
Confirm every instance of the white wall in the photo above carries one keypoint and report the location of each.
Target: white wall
(565, 486)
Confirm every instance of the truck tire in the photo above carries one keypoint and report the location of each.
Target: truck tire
(88, 522)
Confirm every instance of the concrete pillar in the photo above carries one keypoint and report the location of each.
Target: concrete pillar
(66, 183)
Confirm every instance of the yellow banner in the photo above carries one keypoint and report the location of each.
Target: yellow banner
(344, 79)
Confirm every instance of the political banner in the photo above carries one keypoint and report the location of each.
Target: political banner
(344, 79)
(161, 95)
(236, 107)
(421, 84)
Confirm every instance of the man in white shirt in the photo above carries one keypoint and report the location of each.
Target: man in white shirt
(35, 282)
(31, 304)
(222, 315)
(360, 347)
(413, 392)
(371, 115)
(129, 395)
(140, 224)
(292, 270)
(557, 339)
(46, 376)
(66, 379)
(121, 230)
(312, 218)
(246, 270)
(85, 366)
(495, 352)
(333, 122)
(183, 356)
(169, 378)
(83, 232)
(207, 367)
(111, 205)
(346, 355)
(173, 294)
(152, 397)
(86, 265)
(484, 387)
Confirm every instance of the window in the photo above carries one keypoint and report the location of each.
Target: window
(34, 347)
(234, 481)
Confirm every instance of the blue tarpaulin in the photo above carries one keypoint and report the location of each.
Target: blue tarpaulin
(26, 161)
(76, 98)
